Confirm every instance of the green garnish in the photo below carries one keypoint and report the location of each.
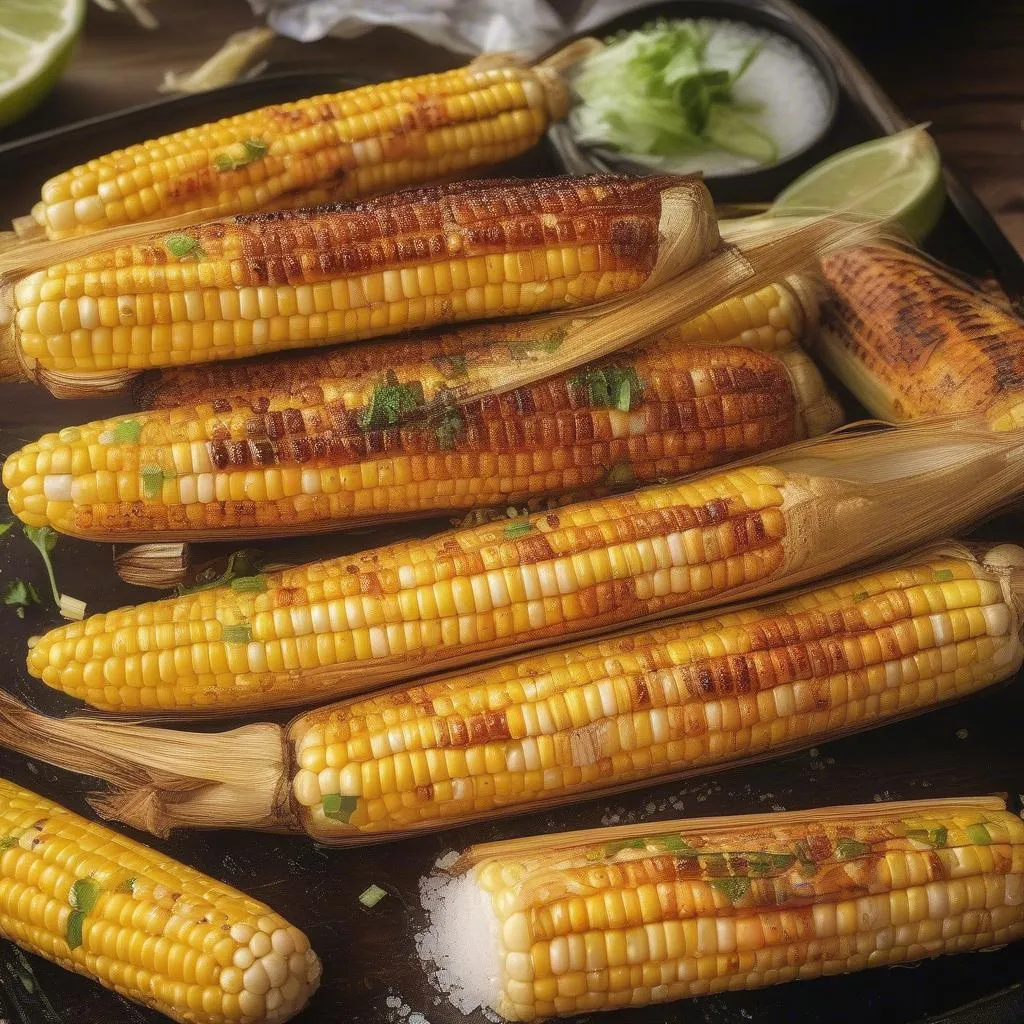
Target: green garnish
(249, 583)
(246, 562)
(339, 807)
(654, 92)
(674, 844)
(256, 148)
(128, 886)
(4, 527)
(82, 898)
(372, 895)
(127, 432)
(389, 402)
(761, 865)
(73, 935)
(979, 834)
(610, 387)
(549, 343)
(19, 594)
(934, 837)
(517, 529)
(223, 162)
(735, 887)
(45, 540)
(8, 843)
(847, 849)
(183, 247)
(447, 427)
(861, 595)
(612, 848)
(238, 633)
(943, 575)
(152, 481)
(806, 864)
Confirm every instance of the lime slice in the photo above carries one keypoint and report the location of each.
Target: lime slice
(898, 177)
(36, 37)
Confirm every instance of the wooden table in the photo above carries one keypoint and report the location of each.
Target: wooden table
(370, 959)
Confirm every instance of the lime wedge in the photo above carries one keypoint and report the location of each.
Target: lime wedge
(898, 177)
(36, 37)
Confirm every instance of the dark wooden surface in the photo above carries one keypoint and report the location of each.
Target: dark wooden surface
(369, 955)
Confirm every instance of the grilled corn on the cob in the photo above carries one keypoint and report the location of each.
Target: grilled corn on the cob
(326, 148)
(911, 342)
(139, 923)
(356, 622)
(328, 451)
(531, 732)
(297, 279)
(566, 924)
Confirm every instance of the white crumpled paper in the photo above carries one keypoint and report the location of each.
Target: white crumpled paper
(463, 26)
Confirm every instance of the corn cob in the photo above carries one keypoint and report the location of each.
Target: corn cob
(532, 732)
(911, 342)
(267, 282)
(327, 148)
(394, 612)
(151, 929)
(630, 916)
(335, 451)
(769, 319)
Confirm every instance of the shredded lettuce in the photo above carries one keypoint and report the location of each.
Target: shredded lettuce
(653, 93)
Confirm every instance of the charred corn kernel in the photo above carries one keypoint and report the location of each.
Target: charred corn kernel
(156, 931)
(265, 457)
(627, 697)
(713, 899)
(911, 342)
(344, 146)
(242, 271)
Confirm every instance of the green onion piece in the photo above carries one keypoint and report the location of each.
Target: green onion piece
(127, 432)
(339, 807)
(674, 844)
(517, 529)
(152, 481)
(847, 849)
(84, 894)
(249, 583)
(255, 148)
(73, 934)
(761, 865)
(371, 896)
(979, 834)
(223, 162)
(71, 608)
(240, 633)
(735, 887)
(183, 247)
(943, 575)
(612, 848)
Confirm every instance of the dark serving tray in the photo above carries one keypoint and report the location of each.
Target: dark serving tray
(371, 972)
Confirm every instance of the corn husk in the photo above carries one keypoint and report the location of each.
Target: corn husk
(164, 779)
(912, 340)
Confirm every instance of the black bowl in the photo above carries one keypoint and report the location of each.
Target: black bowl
(757, 183)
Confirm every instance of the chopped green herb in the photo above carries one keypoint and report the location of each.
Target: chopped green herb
(447, 427)
(19, 594)
(223, 162)
(256, 148)
(184, 247)
(714, 863)
(339, 807)
(4, 527)
(238, 633)
(847, 849)
(934, 837)
(806, 864)
(74, 929)
(84, 894)
(861, 595)
(612, 848)
(152, 481)
(372, 895)
(620, 475)
(610, 387)
(452, 366)
(246, 562)
(760, 865)
(127, 432)
(943, 575)
(8, 843)
(674, 844)
(517, 528)
(549, 343)
(979, 834)
(735, 887)
(45, 540)
(389, 402)
(249, 583)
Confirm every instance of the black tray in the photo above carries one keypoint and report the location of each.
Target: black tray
(369, 955)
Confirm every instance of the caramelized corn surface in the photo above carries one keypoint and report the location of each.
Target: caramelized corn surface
(929, 346)
(323, 451)
(340, 146)
(538, 730)
(151, 929)
(397, 611)
(266, 282)
(653, 918)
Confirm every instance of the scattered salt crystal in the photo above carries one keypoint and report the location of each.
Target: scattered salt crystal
(393, 1002)
(445, 862)
(813, 752)
(961, 734)
(878, 798)
(650, 808)
(418, 1018)
(778, 807)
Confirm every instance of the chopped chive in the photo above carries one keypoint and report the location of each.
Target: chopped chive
(761, 865)
(339, 807)
(183, 247)
(256, 148)
(127, 432)
(84, 894)
(73, 935)
(943, 575)
(223, 162)
(549, 343)
(979, 834)
(152, 481)
(735, 887)
(249, 583)
(389, 402)
(517, 529)
(72, 608)
(935, 837)
(372, 895)
(609, 387)
(239, 633)
(847, 849)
